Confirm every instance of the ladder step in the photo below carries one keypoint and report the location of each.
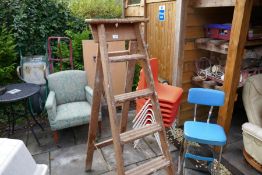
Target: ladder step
(133, 95)
(139, 133)
(123, 58)
(149, 167)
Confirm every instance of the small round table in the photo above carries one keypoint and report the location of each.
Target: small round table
(15, 93)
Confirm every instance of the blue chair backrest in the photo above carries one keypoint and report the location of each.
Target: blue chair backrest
(209, 97)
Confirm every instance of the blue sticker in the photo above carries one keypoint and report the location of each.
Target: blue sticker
(161, 17)
(161, 13)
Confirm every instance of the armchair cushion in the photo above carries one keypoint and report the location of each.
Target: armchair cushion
(71, 114)
(89, 94)
(252, 138)
(70, 99)
(50, 105)
(252, 99)
(68, 86)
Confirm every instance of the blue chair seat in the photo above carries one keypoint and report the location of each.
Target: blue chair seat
(205, 133)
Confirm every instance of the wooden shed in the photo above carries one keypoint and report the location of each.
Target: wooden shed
(171, 34)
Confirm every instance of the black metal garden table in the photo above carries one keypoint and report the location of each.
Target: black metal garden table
(20, 92)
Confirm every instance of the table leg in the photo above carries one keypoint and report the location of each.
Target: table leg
(32, 130)
(33, 116)
(13, 118)
(8, 121)
(28, 121)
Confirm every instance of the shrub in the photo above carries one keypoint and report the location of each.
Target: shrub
(95, 8)
(7, 55)
(76, 38)
(32, 21)
(136, 77)
(77, 46)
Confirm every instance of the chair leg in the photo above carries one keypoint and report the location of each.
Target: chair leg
(219, 160)
(183, 151)
(74, 135)
(56, 137)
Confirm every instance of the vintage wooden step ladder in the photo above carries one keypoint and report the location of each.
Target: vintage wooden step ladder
(109, 30)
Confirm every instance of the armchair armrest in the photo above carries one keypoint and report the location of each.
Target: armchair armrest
(18, 71)
(252, 130)
(50, 105)
(89, 94)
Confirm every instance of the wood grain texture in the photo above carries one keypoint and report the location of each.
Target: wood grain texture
(154, 99)
(218, 3)
(123, 58)
(97, 93)
(128, 85)
(114, 21)
(155, 1)
(160, 37)
(213, 3)
(179, 42)
(134, 11)
(118, 126)
(110, 99)
(252, 161)
(149, 167)
(119, 32)
(196, 19)
(239, 31)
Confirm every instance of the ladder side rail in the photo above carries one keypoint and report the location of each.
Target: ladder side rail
(96, 101)
(154, 98)
(110, 99)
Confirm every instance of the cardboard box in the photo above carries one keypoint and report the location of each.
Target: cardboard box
(118, 70)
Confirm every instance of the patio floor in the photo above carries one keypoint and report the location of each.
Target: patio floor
(70, 158)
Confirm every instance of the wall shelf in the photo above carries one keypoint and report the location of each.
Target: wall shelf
(221, 46)
(254, 43)
(218, 3)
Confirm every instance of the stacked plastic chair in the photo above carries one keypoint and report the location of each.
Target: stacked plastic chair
(169, 96)
(145, 117)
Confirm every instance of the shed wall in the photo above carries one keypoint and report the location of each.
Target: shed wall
(160, 37)
(196, 19)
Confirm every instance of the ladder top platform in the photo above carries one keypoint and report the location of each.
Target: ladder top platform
(114, 21)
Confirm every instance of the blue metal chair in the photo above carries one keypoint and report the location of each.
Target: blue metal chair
(203, 132)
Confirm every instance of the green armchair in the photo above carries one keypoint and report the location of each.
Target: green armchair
(69, 100)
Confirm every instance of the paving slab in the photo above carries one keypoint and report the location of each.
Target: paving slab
(235, 134)
(45, 138)
(81, 134)
(194, 172)
(113, 172)
(233, 154)
(71, 161)
(43, 158)
(151, 142)
(159, 172)
(130, 155)
(109, 173)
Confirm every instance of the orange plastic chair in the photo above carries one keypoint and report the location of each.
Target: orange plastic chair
(169, 96)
